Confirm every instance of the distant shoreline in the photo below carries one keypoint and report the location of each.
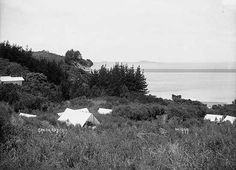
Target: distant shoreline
(210, 104)
(192, 70)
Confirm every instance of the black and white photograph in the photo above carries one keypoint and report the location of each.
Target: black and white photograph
(118, 84)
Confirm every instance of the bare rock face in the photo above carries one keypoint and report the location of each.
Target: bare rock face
(75, 59)
(80, 66)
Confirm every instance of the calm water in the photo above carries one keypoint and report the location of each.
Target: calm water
(205, 87)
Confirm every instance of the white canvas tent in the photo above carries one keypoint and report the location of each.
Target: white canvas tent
(27, 115)
(230, 118)
(80, 116)
(61, 113)
(213, 118)
(104, 111)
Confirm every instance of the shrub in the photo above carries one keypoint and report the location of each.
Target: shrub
(20, 100)
(37, 85)
(227, 109)
(15, 69)
(52, 119)
(139, 111)
(115, 101)
(187, 110)
(6, 130)
(80, 102)
(9, 93)
(142, 98)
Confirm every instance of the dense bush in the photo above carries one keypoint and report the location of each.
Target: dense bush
(184, 111)
(115, 101)
(37, 85)
(29, 102)
(21, 100)
(15, 69)
(9, 93)
(5, 115)
(227, 109)
(187, 110)
(139, 111)
(142, 98)
(178, 100)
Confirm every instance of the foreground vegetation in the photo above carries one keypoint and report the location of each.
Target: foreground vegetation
(119, 143)
(139, 134)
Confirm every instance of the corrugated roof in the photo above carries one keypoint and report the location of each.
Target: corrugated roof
(9, 78)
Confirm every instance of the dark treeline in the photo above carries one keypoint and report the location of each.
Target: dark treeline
(17, 54)
(119, 80)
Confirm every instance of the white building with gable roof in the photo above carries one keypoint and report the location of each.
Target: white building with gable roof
(13, 80)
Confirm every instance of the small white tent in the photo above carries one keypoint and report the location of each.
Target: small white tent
(61, 113)
(213, 118)
(80, 116)
(230, 118)
(27, 115)
(104, 111)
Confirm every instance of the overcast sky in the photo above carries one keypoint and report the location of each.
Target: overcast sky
(125, 30)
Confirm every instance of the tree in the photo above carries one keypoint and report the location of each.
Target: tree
(14, 69)
(71, 56)
(37, 85)
(124, 91)
(140, 81)
(234, 102)
(119, 80)
(9, 93)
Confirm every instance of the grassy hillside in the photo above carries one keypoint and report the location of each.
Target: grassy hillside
(48, 56)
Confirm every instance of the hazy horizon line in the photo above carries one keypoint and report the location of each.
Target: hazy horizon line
(150, 61)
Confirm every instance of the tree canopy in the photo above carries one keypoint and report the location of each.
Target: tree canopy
(118, 80)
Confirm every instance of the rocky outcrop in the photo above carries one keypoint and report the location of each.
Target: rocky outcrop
(75, 59)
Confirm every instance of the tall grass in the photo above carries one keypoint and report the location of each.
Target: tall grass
(118, 143)
(121, 144)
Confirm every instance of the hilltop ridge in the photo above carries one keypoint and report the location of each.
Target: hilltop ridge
(43, 54)
(79, 63)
